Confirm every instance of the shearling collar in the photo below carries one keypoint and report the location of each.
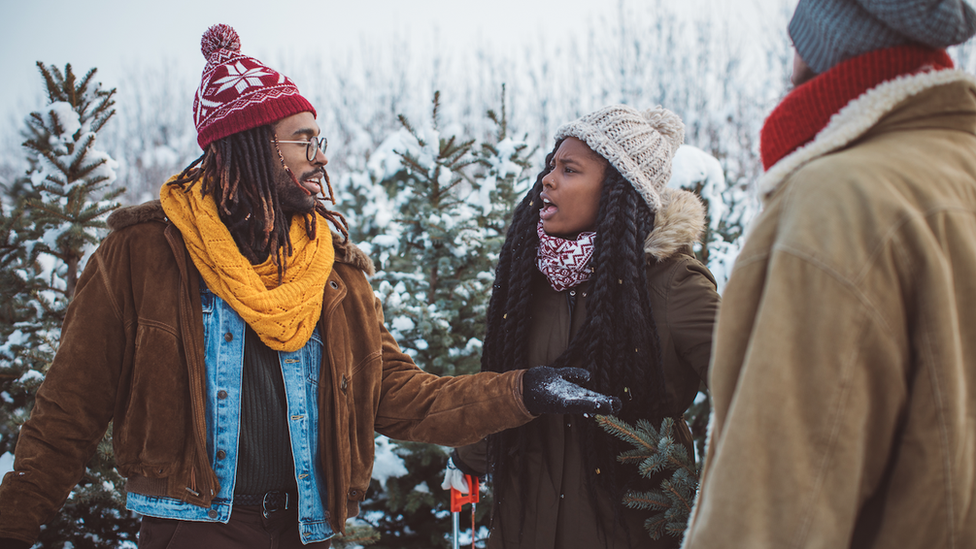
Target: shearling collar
(346, 252)
(679, 223)
(856, 119)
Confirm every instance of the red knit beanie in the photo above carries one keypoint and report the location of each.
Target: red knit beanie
(238, 92)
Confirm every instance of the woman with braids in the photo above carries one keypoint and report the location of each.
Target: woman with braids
(597, 272)
(237, 347)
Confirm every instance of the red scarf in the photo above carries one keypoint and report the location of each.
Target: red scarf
(808, 108)
(566, 263)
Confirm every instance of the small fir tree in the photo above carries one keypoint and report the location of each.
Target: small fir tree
(656, 451)
(53, 220)
(450, 201)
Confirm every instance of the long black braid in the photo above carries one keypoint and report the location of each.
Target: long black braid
(618, 342)
(239, 172)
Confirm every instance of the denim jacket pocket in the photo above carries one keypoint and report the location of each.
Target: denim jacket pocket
(207, 299)
(312, 358)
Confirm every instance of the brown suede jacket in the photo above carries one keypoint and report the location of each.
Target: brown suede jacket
(131, 353)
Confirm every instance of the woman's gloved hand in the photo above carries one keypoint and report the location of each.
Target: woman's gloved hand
(547, 390)
(454, 478)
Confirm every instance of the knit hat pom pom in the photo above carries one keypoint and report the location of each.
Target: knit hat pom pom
(219, 37)
(667, 124)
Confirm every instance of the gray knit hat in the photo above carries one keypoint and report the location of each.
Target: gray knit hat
(640, 145)
(826, 32)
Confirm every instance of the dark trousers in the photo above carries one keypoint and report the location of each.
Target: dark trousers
(247, 529)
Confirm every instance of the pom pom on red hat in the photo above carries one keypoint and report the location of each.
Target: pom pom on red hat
(238, 92)
(219, 37)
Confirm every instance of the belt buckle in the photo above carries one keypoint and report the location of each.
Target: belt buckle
(264, 504)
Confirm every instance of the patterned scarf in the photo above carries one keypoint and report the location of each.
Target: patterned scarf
(566, 263)
(283, 316)
(809, 107)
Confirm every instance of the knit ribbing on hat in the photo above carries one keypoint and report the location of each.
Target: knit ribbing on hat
(238, 92)
(640, 145)
(808, 108)
(827, 32)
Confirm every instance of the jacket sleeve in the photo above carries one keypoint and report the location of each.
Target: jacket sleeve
(71, 412)
(805, 395)
(451, 411)
(685, 305)
(473, 458)
(692, 309)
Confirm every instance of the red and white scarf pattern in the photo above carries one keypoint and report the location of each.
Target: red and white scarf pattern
(566, 263)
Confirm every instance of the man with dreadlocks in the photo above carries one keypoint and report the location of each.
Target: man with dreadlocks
(237, 347)
(597, 271)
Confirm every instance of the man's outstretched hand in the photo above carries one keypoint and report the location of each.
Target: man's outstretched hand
(547, 390)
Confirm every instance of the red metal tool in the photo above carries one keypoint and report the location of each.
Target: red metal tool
(457, 501)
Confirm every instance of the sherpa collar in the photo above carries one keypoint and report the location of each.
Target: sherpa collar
(678, 223)
(854, 120)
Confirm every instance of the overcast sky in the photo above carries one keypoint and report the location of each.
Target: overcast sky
(114, 35)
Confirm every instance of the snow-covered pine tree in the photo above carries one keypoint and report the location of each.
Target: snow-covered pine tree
(655, 450)
(435, 233)
(18, 282)
(48, 231)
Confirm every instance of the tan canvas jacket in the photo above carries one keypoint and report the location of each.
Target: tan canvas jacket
(131, 352)
(843, 374)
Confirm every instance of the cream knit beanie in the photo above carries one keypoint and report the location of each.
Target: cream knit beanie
(640, 145)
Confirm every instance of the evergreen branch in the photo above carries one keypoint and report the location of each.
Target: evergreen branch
(673, 490)
(406, 124)
(654, 499)
(622, 430)
(79, 89)
(656, 525)
(101, 120)
(53, 81)
(632, 456)
(435, 111)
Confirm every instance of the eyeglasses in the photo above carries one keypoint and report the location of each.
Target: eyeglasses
(312, 146)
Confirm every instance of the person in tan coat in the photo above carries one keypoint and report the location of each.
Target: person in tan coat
(844, 370)
(238, 349)
(597, 271)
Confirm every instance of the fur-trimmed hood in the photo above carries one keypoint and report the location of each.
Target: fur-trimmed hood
(346, 252)
(856, 119)
(678, 223)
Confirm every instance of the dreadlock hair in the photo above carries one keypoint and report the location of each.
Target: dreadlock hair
(239, 172)
(617, 343)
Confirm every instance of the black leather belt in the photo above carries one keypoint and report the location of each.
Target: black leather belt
(269, 502)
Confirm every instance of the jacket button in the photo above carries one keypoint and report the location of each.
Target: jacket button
(333, 284)
(212, 513)
(228, 337)
(344, 383)
(221, 454)
(353, 493)
(221, 394)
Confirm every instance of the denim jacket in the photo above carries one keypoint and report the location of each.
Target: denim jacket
(224, 350)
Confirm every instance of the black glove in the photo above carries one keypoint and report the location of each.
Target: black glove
(546, 390)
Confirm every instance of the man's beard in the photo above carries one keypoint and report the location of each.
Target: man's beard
(294, 198)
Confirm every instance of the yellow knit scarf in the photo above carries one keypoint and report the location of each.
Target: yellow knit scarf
(283, 316)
